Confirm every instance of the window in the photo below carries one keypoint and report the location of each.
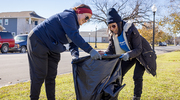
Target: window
(13, 33)
(6, 35)
(0, 21)
(21, 38)
(36, 22)
(6, 21)
(104, 39)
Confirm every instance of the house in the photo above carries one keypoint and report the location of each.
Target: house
(90, 36)
(20, 22)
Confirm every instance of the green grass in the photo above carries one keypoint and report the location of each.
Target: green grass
(105, 45)
(100, 45)
(163, 87)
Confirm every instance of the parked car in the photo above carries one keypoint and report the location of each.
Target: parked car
(177, 44)
(20, 43)
(6, 41)
(162, 44)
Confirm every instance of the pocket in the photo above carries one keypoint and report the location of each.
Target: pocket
(149, 56)
(39, 49)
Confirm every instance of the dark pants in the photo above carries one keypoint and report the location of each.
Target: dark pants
(138, 74)
(43, 67)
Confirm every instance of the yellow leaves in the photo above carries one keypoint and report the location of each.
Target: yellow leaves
(172, 21)
(147, 33)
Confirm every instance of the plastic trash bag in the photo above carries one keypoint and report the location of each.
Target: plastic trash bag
(97, 79)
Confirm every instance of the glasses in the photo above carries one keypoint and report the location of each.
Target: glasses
(87, 18)
(113, 26)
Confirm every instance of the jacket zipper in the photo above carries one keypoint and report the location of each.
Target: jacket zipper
(147, 52)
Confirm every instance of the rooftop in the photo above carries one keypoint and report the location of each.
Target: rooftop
(28, 14)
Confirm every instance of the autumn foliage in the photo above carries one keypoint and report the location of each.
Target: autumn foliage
(147, 33)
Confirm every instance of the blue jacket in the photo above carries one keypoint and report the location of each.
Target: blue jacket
(53, 32)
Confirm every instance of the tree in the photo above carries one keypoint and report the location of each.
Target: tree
(136, 10)
(147, 33)
(172, 20)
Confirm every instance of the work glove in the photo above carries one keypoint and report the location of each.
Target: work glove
(125, 57)
(94, 54)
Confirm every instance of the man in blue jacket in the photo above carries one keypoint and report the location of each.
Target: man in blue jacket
(45, 43)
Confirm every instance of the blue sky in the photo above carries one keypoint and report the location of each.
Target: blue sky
(44, 8)
(47, 8)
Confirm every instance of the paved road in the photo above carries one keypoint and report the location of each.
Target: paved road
(14, 66)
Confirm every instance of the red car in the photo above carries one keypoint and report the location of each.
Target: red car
(6, 41)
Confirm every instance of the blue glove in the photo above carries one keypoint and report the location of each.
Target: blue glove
(94, 54)
(125, 57)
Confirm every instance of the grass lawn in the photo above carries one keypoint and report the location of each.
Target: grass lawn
(102, 45)
(99, 45)
(166, 86)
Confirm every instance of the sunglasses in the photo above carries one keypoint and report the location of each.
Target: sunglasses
(113, 26)
(87, 18)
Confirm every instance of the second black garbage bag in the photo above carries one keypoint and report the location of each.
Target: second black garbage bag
(97, 79)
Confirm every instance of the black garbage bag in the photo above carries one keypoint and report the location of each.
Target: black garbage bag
(97, 79)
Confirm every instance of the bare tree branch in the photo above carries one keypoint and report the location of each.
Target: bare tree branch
(136, 10)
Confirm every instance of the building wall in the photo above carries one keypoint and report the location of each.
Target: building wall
(24, 27)
(12, 25)
(92, 39)
(21, 26)
(102, 35)
(105, 39)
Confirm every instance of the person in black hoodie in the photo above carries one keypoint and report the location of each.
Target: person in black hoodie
(45, 43)
(125, 39)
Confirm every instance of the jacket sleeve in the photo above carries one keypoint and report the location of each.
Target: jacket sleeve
(70, 27)
(111, 48)
(135, 42)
